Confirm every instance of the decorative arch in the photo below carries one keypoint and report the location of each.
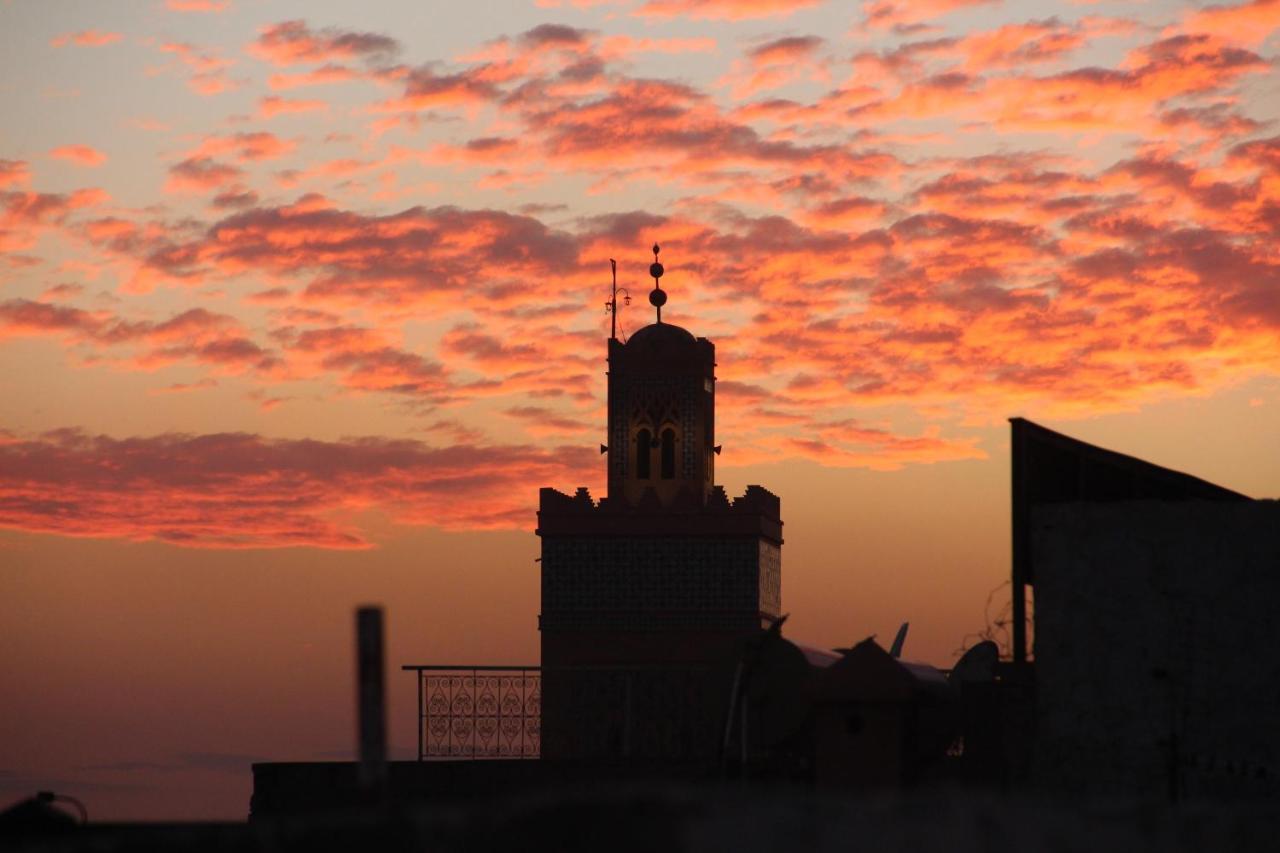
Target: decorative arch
(668, 454)
(644, 448)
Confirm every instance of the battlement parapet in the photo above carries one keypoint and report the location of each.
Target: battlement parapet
(756, 512)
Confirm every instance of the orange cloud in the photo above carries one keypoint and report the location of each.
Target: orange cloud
(776, 63)
(207, 72)
(612, 47)
(542, 421)
(364, 361)
(293, 42)
(324, 75)
(731, 10)
(82, 155)
(196, 334)
(14, 172)
(427, 89)
(23, 215)
(238, 490)
(86, 38)
(200, 174)
(271, 106)
(1126, 99)
(233, 198)
(849, 443)
(412, 256)
(1250, 23)
(1015, 45)
(648, 122)
(204, 6)
(259, 145)
(911, 16)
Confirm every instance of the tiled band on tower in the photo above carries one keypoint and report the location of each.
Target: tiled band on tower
(649, 594)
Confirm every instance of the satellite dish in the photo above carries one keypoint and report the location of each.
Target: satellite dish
(896, 649)
(976, 665)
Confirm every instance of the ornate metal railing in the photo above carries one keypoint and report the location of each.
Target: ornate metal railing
(479, 711)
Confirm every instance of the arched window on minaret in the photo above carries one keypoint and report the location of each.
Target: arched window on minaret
(668, 454)
(644, 444)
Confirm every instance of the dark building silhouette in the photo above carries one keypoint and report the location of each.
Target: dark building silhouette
(1156, 593)
(648, 594)
(663, 656)
(1051, 468)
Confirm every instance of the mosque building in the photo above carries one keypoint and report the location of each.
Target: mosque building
(648, 592)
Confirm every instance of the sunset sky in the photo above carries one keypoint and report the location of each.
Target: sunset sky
(301, 303)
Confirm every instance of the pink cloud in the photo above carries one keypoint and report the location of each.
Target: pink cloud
(14, 172)
(234, 198)
(86, 38)
(1124, 99)
(294, 42)
(911, 15)
(207, 72)
(193, 335)
(259, 145)
(425, 88)
(238, 490)
(1249, 23)
(82, 155)
(776, 63)
(542, 421)
(202, 6)
(271, 106)
(365, 361)
(1016, 45)
(186, 387)
(415, 255)
(732, 10)
(322, 76)
(612, 47)
(851, 444)
(24, 215)
(201, 174)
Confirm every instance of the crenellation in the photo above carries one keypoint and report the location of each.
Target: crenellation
(756, 500)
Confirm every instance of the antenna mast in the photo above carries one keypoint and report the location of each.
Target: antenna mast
(613, 303)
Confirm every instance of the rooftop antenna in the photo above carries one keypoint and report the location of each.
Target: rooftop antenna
(657, 298)
(896, 649)
(612, 305)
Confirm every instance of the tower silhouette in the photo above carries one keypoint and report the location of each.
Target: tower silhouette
(649, 594)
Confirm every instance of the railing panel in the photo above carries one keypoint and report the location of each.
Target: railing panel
(479, 712)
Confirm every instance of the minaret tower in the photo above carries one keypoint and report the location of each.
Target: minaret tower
(649, 594)
(661, 413)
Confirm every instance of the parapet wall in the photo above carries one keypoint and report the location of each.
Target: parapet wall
(757, 512)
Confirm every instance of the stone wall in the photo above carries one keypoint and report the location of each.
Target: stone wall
(1157, 661)
(651, 582)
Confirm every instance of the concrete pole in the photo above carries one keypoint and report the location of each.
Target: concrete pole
(372, 702)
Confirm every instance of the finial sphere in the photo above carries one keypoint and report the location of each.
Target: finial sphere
(657, 297)
(656, 248)
(655, 269)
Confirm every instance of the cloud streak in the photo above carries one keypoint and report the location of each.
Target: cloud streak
(238, 490)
